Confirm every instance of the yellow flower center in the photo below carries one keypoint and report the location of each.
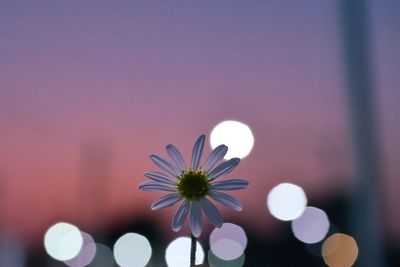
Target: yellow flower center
(193, 185)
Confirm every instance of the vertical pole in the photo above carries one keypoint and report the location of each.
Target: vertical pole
(364, 199)
(96, 171)
(12, 252)
(3, 199)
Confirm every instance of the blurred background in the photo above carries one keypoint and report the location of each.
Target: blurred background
(88, 89)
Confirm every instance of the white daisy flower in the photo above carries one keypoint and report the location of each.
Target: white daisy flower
(194, 186)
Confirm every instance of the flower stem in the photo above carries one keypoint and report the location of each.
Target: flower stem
(193, 251)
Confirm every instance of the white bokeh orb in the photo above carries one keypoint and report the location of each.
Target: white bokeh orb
(286, 201)
(178, 253)
(63, 241)
(132, 250)
(237, 136)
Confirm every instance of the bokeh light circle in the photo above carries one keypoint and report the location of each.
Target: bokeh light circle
(286, 201)
(227, 249)
(132, 250)
(103, 258)
(86, 254)
(177, 253)
(228, 242)
(312, 226)
(63, 241)
(315, 248)
(214, 261)
(236, 135)
(340, 250)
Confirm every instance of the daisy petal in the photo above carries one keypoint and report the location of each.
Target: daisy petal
(156, 186)
(216, 155)
(180, 216)
(176, 157)
(211, 212)
(223, 168)
(165, 165)
(159, 177)
(197, 151)
(166, 201)
(226, 200)
(229, 185)
(196, 220)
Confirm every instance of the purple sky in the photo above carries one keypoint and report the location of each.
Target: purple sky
(135, 75)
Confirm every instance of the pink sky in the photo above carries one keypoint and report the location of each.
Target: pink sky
(135, 76)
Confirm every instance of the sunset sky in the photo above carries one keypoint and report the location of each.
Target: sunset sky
(88, 89)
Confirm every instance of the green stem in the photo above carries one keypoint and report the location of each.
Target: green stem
(193, 251)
